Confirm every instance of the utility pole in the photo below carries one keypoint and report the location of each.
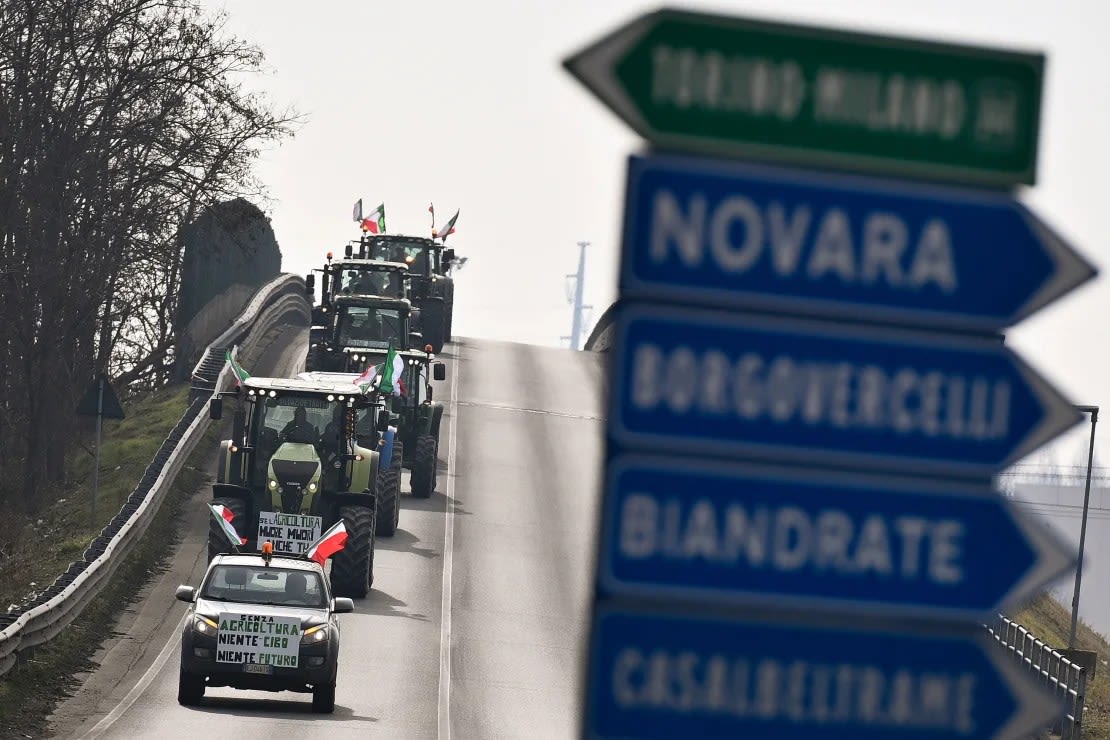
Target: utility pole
(1093, 412)
(579, 279)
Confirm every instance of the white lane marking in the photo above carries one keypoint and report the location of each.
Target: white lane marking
(140, 687)
(448, 558)
(502, 407)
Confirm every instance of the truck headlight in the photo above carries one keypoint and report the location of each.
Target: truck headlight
(204, 625)
(316, 634)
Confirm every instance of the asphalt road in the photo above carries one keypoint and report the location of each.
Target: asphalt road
(476, 624)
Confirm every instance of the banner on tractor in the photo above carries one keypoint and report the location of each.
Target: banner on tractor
(291, 534)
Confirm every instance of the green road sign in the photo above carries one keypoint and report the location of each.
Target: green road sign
(730, 86)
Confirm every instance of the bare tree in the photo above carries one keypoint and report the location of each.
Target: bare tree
(119, 121)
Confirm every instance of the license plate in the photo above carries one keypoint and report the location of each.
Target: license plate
(265, 670)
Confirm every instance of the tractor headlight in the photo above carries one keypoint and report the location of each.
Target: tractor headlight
(316, 634)
(312, 487)
(273, 484)
(204, 625)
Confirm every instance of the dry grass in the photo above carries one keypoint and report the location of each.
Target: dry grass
(1050, 622)
(33, 552)
(45, 675)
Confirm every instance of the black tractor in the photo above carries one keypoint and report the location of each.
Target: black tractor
(429, 272)
(356, 326)
(415, 414)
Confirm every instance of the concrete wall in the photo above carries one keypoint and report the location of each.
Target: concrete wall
(230, 251)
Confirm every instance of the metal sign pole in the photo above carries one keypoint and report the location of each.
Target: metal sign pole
(1093, 411)
(99, 421)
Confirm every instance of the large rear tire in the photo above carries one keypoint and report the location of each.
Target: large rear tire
(217, 540)
(352, 568)
(389, 493)
(433, 323)
(424, 461)
(190, 689)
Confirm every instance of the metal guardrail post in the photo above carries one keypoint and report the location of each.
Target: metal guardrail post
(1064, 678)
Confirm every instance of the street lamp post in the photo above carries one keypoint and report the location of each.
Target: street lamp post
(1093, 411)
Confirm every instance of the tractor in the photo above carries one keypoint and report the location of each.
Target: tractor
(294, 466)
(415, 413)
(356, 327)
(356, 277)
(429, 271)
(385, 440)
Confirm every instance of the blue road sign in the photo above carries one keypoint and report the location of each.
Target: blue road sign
(818, 393)
(768, 238)
(668, 676)
(698, 530)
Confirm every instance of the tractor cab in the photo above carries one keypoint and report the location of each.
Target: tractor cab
(370, 277)
(294, 440)
(413, 409)
(360, 325)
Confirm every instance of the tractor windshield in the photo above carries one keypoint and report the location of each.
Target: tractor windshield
(369, 326)
(296, 419)
(372, 282)
(414, 255)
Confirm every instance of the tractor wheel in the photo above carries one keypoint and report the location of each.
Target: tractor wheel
(352, 568)
(389, 493)
(448, 335)
(423, 477)
(433, 324)
(190, 689)
(217, 540)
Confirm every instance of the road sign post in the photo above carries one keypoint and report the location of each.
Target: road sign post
(703, 382)
(664, 675)
(809, 394)
(101, 401)
(718, 533)
(724, 85)
(862, 248)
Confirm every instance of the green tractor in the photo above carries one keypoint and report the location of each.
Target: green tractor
(358, 326)
(294, 467)
(414, 412)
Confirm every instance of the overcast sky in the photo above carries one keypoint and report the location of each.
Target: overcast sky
(465, 104)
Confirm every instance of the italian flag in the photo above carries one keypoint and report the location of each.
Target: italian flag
(364, 380)
(375, 222)
(240, 373)
(390, 373)
(330, 542)
(225, 516)
(449, 228)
